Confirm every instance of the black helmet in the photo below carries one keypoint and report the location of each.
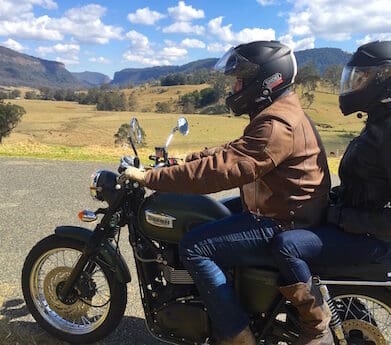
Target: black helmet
(366, 78)
(267, 68)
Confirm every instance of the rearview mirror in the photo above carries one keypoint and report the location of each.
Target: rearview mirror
(183, 126)
(136, 134)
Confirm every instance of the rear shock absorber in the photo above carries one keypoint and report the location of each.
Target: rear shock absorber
(335, 322)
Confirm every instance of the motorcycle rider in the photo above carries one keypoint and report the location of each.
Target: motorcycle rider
(359, 216)
(279, 164)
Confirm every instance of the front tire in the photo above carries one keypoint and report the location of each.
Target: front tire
(94, 308)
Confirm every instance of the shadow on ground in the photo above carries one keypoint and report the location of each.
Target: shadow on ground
(18, 328)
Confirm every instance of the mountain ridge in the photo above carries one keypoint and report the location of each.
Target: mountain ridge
(18, 69)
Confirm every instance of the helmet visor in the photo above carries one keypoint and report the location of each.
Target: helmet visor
(355, 78)
(232, 63)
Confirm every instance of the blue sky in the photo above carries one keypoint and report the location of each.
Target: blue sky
(107, 36)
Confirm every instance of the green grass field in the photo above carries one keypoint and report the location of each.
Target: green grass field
(67, 130)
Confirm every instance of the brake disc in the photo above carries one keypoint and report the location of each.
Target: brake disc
(369, 332)
(75, 309)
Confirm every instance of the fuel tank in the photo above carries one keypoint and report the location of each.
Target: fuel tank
(167, 216)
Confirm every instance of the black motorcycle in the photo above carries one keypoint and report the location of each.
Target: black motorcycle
(74, 281)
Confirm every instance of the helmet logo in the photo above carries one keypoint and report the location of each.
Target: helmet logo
(273, 81)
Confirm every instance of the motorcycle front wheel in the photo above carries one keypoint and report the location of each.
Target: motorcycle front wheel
(96, 304)
(365, 313)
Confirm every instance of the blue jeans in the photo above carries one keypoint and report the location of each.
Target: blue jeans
(295, 250)
(238, 240)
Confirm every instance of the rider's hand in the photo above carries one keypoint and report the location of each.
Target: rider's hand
(133, 174)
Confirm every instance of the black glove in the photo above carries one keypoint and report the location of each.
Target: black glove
(334, 214)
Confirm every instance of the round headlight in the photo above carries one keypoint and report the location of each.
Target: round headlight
(102, 185)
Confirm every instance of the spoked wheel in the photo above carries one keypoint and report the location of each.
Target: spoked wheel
(366, 316)
(95, 305)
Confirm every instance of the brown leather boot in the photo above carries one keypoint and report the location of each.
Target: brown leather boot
(245, 337)
(314, 313)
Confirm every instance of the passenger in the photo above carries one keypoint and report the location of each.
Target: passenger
(359, 216)
(280, 166)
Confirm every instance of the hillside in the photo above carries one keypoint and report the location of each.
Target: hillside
(320, 57)
(135, 76)
(18, 69)
(91, 79)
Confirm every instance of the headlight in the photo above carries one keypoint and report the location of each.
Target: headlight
(102, 185)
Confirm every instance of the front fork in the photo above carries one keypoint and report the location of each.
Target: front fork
(335, 322)
(90, 249)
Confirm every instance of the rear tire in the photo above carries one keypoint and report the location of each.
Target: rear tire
(365, 313)
(79, 320)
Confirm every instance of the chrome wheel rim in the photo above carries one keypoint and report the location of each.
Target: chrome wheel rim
(364, 317)
(80, 316)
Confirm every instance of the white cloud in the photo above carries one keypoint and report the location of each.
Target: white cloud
(192, 43)
(222, 32)
(100, 59)
(83, 24)
(145, 16)
(305, 43)
(28, 27)
(141, 51)
(11, 9)
(374, 37)
(145, 60)
(339, 20)
(12, 44)
(184, 27)
(68, 53)
(138, 42)
(184, 13)
(68, 61)
(173, 53)
(218, 47)
(265, 2)
(71, 49)
(255, 34)
(245, 35)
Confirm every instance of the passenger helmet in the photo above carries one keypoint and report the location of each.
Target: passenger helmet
(366, 78)
(266, 68)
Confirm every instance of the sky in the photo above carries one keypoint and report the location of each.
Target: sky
(108, 36)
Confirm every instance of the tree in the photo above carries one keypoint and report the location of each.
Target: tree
(307, 77)
(332, 76)
(30, 95)
(163, 107)
(10, 115)
(121, 137)
(132, 101)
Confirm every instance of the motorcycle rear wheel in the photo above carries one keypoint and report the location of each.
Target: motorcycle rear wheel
(96, 305)
(365, 313)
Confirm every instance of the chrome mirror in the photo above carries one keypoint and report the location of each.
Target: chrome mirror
(183, 126)
(136, 134)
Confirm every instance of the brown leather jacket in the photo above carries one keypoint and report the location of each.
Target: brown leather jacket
(279, 163)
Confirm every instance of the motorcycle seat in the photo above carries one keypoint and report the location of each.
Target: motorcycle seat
(367, 272)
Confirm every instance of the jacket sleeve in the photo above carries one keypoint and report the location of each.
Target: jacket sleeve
(204, 153)
(240, 162)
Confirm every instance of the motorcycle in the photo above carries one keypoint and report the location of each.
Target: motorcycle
(75, 280)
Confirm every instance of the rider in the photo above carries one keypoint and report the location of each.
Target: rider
(359, 216)
(279, 164)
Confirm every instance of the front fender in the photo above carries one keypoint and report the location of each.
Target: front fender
(107, 253)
